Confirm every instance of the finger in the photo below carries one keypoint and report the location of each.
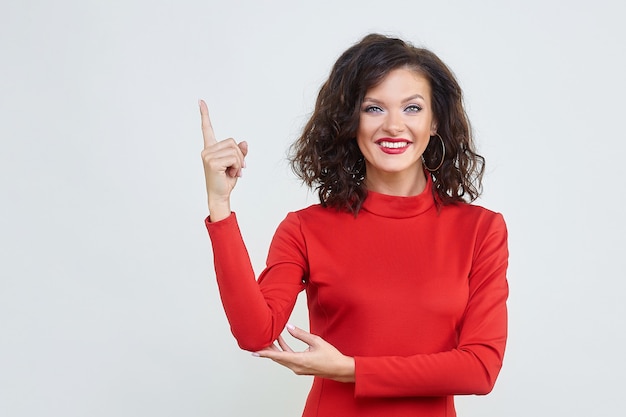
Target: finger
(265, 351)
(283, 345)
(207, 129)
(222, 162)
(226, 154)
(273, 347)
(243, 146)
(275, 354)
(302, 335)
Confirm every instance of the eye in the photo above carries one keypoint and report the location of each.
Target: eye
(372, 109)
(413, 108)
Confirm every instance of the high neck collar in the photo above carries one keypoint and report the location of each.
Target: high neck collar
(400, 207)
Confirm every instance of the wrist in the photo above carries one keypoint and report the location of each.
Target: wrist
(346, 370)
(218, 210)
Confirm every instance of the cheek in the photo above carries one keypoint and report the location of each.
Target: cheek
(422, 129)
(360, 143)
(361, 136)
(366, 128)
(365, 145)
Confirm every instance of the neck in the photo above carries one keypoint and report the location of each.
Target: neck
(396, 184)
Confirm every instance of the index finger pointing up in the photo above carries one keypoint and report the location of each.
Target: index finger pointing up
(207, 129)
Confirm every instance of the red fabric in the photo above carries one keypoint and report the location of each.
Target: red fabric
(417, 295)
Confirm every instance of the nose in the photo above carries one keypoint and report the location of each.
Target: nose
(394, 124)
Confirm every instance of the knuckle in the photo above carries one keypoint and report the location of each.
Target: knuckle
(207, 158)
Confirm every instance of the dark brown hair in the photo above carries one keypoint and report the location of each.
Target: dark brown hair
(326, 156)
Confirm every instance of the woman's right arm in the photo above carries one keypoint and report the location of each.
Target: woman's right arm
(257, 312)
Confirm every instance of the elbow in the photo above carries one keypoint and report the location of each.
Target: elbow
(251, 345)
(486, 367)
(252, 342)
(486, 383)
(479, 384)
(485, 387)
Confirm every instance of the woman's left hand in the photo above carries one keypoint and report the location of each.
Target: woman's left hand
(320, 359)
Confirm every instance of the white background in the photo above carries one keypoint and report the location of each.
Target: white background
(108, 303)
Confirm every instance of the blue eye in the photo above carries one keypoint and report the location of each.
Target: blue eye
(372, 109)
(414, 108)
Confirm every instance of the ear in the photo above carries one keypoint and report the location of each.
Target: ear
(433, 128)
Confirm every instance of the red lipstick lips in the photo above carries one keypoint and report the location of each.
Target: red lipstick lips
(393, 146)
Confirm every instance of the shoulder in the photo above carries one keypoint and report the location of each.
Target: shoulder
(482, 230)
(480, 221)
(294, 219)
(471, 211)
(490, 227)
(314, 220)
(316, 213)
(293, 232)
(315, 210)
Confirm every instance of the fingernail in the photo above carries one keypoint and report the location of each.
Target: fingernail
(290, 326)
(256, 355)
(244, 163)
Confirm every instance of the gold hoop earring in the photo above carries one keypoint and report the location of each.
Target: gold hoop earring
(443, 155)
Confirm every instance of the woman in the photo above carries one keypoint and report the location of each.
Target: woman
(405, 280)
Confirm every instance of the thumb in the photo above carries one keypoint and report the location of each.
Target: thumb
(302, 335)
(243, 146)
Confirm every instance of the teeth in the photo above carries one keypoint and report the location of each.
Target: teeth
(393, 145)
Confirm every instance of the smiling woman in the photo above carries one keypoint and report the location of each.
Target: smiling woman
(405, 279)
(327, 157)
(395, 127)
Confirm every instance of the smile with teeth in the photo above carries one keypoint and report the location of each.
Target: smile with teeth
(393, 145)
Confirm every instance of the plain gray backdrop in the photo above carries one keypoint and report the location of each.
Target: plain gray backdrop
(108, 302)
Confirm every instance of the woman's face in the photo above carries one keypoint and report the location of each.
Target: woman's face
(395, 125)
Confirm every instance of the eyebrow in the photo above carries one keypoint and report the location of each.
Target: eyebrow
(413, 97)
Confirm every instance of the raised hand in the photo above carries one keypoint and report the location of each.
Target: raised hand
(223, 163)
(319, 359)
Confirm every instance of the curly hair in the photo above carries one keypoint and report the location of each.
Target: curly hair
(326, 156)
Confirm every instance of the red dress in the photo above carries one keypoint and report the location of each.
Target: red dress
(415, 293)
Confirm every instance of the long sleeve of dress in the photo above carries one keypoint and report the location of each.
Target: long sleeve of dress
(256, 312)
(471, 367)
